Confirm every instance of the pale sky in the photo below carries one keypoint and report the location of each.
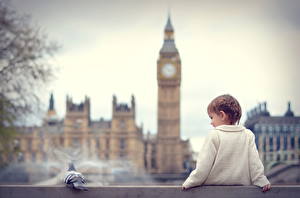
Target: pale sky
(249, 49)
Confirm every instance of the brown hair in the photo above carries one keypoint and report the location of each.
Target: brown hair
(229, 105)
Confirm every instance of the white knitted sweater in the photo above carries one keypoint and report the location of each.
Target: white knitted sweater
(228, 157)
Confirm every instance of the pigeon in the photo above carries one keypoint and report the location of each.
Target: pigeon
(74, 179)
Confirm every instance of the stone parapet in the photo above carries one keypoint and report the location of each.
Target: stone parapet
(16, 191)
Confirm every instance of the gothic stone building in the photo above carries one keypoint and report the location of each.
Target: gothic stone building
(120, 137)
(277, 137)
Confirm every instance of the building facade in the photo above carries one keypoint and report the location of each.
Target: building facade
(277, 137)
(119, 138)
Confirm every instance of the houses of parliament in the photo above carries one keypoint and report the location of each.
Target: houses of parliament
(120, 137)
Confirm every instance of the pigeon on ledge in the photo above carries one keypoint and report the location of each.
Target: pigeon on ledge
(74, 179)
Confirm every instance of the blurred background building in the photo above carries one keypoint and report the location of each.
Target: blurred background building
(278, 142)
(163, 155)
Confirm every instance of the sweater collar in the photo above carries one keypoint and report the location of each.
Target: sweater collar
(230, 128)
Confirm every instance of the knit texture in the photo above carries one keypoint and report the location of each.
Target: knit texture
(228, 157)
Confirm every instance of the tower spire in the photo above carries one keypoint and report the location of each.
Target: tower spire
(169, 26)
(289, 112)
(51, 103)
(169, 43)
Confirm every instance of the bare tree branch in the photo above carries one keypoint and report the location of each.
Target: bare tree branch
(24, 68)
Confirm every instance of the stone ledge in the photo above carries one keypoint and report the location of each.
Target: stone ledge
(16, 191)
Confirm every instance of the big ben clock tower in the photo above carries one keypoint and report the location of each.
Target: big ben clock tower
(169, 147)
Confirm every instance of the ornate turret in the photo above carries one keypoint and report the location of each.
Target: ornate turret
(289, 112)
(169, 43)
(123, 109)
(77, 115)
(51, 117)
(81, 107)
(51, 103)
(259, 110)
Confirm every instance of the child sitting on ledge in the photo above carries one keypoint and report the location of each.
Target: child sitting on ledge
(229, 155)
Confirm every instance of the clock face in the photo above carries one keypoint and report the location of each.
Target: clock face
(168, 70)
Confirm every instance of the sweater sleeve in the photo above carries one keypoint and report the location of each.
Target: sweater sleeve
(256, 167)
(205, 162)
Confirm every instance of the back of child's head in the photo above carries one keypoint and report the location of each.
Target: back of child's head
(229, 105)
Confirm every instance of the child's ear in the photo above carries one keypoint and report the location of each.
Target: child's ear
(223, 115)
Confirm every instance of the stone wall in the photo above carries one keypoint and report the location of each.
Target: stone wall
(16, 191)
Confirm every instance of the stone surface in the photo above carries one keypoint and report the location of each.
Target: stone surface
(16, 191)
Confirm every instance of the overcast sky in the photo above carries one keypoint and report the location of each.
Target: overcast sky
(249, 49)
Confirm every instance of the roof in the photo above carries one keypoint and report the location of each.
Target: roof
(168, 47)
(278, 120)
(100, 126)
(169, 26)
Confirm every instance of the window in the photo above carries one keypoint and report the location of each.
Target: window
(277, 128)
(277, 143)
(107, 144)
(41, 145)
(270, 129)
(271, 143)
(29, 144)
(97, 143)
(278, 157)
(45, 157)
(285, 157)
(271, 157)
(153, 163)
(293, 142)
(122, 124)
(264, 144)
(75, 142)
(285, 143)
(285, 128)
(256, 127)
(20, 157)
(297, 128)
(78, 123)
(122, 144)
(33, 156)
(263, 128)
(293, 156)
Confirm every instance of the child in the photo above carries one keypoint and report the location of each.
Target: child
(229, 155)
